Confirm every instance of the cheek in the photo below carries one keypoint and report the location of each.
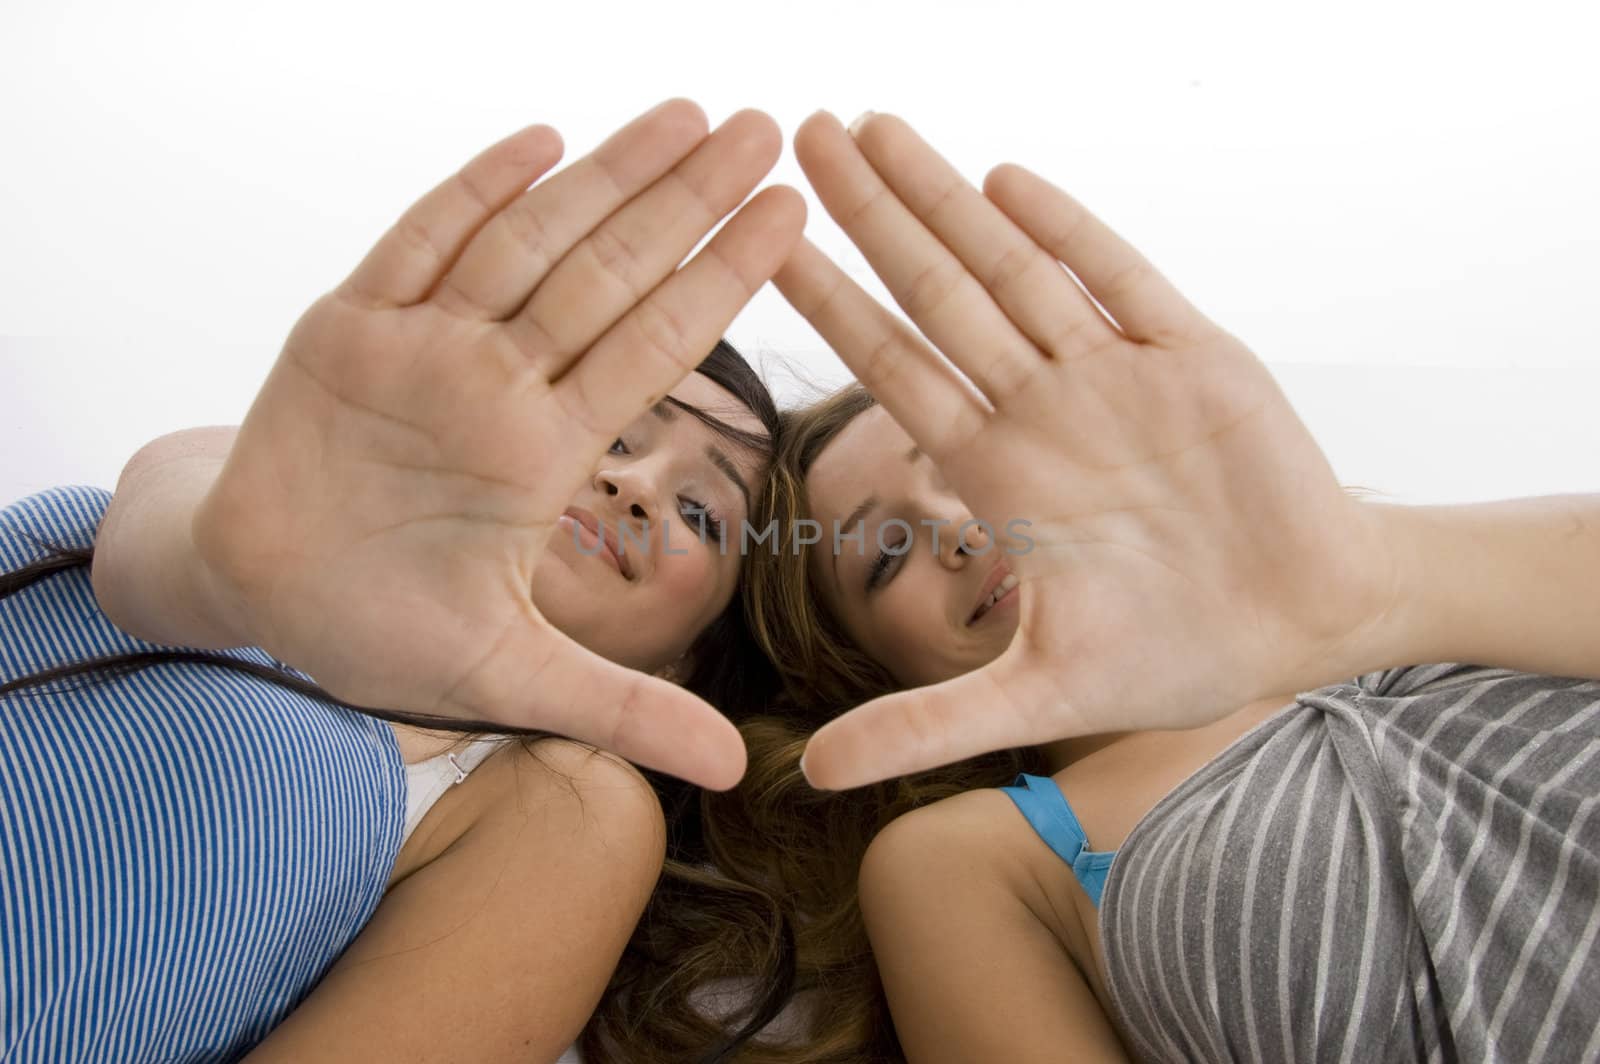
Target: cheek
(642, 627)
(697, 584)
(907, 633)
(569, 602)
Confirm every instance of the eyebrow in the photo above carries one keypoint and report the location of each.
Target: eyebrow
(664, 411)
(731, 471)
(866, 506)
(856, 515)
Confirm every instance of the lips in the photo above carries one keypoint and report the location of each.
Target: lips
(584, 527)
(998, 586)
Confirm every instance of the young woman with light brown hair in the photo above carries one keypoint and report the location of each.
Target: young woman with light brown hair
(1263, 834)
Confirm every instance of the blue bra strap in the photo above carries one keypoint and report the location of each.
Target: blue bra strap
(1046, 808)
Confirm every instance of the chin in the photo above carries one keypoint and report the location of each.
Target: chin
(556, 582)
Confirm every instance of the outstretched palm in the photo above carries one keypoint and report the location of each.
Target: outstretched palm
(389, 496)
(1192, 550)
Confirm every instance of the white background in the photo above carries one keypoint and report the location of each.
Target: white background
(1392, 203)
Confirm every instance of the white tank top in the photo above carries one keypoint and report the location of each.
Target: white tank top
(427, 780)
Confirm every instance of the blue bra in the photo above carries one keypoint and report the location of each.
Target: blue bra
(1046, 808)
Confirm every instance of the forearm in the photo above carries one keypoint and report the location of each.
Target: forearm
(1513, 584)
(147, 575)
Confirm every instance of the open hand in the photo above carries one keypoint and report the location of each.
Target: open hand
(1191, 548)
(395, 483)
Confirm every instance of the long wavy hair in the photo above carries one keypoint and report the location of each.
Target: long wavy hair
(699, 927)
(774, 831)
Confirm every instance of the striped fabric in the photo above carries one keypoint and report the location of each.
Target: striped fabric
(1406, 867)
(183, 851)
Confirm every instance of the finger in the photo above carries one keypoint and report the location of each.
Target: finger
(520, 245)
(1145, 304)
(998, 707)
(922, 392)
(618, 264)
(669, 333)
(539, 678)
(406, 263)
(931, 284)
(1028, 284)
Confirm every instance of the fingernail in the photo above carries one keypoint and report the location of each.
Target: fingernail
(855, 127)
(806, 774)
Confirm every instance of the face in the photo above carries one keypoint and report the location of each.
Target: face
(635, 571)
(926, 615)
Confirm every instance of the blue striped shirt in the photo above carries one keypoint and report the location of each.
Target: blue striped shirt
(184, 851)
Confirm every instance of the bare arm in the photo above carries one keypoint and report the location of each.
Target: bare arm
(971, 952)
(1514, 584)
(499, 949)
(147, 575)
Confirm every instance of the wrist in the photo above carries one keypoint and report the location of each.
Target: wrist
(1513, 584)
(148, 574)
(1397, 629)
(1369, 601)
(210, 528)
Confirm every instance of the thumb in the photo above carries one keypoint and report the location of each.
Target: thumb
(1005, 704)
(538, 677)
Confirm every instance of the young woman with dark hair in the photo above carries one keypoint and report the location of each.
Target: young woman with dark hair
(240, 819)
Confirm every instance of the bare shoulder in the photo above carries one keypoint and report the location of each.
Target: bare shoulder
(553, 780)
(978, 830)
(500, 945)
(959, 832)
(558, 785)
(982, 820)
(965, 886)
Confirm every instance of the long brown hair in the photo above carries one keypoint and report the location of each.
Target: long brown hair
(774, 831)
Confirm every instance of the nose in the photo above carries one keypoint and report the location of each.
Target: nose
(629, 490)
(963, 538)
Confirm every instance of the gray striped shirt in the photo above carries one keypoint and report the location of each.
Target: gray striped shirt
(1406, 867)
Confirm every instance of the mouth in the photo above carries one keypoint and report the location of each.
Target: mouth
(1000, 587)
(585, 530)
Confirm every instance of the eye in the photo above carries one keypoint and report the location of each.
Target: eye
(700, 517)
(618, 447)
(884, 565)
